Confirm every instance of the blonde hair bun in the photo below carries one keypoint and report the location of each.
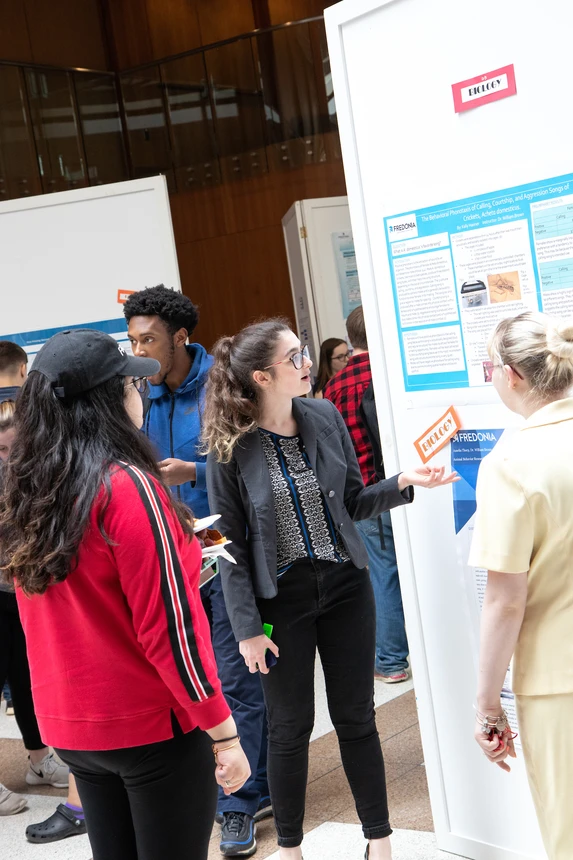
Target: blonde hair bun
(560, 339)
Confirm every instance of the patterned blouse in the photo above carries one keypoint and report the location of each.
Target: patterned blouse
(304, 525)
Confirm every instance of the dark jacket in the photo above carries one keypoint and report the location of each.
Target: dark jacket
(370, 419)
(173, 424)
(10, 392)
(241, 492)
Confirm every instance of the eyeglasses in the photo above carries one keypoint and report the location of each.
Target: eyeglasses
(489, 367)
(141, 384)
(297, 359)
(344, 356)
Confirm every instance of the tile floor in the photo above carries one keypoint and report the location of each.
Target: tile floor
(331, 825)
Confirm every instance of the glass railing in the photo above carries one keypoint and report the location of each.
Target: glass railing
(59, 129)
(259, 103)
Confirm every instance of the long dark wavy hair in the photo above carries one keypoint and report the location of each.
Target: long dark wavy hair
(231, 400)
(60, 461)
(324, 372)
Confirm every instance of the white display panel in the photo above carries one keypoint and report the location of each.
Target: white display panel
(405, 150)
(322, 267)
(66, 258)
(326, 219)
(300, 280)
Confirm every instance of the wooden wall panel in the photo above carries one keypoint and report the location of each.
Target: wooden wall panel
(67, 33)
(147, 30)
(14, 37)
(251, 204)
(128, 30)
(223, 19)
(281, 11)
(173, 27)
(235, 280)
(230, 245)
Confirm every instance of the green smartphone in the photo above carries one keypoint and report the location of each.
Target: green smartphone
(270, 658)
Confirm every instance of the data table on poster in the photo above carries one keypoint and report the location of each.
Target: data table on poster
(553, 222)
(556, 275)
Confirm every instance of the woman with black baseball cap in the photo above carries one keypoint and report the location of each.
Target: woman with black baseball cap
(107, 569)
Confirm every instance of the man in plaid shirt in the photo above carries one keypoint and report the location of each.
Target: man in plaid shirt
(346, 390)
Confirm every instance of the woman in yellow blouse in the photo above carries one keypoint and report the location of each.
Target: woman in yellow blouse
(524, 537)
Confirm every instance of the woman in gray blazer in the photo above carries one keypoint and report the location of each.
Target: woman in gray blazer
(283, 474)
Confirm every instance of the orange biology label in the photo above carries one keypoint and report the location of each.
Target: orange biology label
(123, 295)
(438, 435)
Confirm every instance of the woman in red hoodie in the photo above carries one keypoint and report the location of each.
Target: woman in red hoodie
(106, 567)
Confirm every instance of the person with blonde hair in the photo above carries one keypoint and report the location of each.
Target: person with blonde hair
(524, 537)
(282, 472)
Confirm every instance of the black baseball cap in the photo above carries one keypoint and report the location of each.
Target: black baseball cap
(79, 359)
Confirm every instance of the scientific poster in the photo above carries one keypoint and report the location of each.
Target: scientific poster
(468, 448)
(459, 268)
(343, 245)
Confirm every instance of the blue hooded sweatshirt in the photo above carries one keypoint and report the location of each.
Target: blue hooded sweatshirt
(173, 425)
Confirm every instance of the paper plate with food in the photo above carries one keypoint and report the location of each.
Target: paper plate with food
(212, 542)
(205, 522)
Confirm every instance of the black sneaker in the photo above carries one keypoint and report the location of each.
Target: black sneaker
(238, 835)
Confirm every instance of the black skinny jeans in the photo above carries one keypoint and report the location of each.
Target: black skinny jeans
(152, 802)
(14, 669)
(330, 607)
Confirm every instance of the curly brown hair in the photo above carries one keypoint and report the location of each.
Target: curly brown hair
(231, 401)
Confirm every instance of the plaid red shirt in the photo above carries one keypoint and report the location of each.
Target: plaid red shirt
(346, 390)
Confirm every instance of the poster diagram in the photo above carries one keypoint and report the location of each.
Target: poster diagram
(343, 245)
(459, 268)
(468, 448)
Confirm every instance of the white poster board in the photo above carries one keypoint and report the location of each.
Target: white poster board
(458, 219)
(322, 267)
(69, 260)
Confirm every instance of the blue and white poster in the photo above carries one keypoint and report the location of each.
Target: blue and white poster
(468, 448)
(349, 285)
(459, 268)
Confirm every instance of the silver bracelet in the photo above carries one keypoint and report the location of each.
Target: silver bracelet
(493, 724)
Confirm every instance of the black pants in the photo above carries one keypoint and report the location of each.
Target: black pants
(14, 669)
(329, 607)
(152, 802)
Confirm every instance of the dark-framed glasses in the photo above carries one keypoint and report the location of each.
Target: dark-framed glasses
(140, 384)
(297, 359)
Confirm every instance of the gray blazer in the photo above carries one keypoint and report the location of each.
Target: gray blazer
(241, 492)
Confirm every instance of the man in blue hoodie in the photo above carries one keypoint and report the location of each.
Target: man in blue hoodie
(160, 322)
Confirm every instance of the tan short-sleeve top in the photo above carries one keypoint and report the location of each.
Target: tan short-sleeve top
(524, 522)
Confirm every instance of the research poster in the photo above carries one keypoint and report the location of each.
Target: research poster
(348, 283)
(33, 341)
(468, 448)
(457, 269)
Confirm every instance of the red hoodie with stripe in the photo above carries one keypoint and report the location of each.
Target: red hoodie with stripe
(124, 640)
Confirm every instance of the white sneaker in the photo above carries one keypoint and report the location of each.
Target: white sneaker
(11, 803)
(49, 771)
